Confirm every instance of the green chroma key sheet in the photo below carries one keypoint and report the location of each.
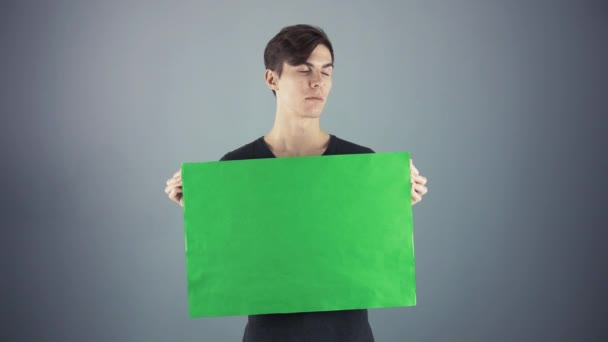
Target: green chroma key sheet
(299, 234)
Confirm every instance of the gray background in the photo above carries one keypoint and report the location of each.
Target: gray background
(501, 103)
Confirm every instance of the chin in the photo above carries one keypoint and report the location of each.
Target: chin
(311, 114)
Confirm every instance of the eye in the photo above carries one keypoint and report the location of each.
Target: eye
(304, 70)
(326, 74)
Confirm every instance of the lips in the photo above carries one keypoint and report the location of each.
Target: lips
(315, 98)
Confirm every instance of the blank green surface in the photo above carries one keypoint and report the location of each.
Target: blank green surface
(299, 234)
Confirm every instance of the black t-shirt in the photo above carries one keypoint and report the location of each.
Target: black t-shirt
(330, 326)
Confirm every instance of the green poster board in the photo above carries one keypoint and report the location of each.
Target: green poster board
(299, 234)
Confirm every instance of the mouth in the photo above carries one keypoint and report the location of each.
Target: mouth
(315, 98)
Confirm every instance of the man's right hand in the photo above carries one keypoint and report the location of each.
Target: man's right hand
(174, 188)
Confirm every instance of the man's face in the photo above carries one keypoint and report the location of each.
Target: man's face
(303, 89)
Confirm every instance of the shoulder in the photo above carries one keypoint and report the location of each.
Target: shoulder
(342, 146)
(243, 152)
(252, 150)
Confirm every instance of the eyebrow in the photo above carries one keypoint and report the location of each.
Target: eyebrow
(323, 67)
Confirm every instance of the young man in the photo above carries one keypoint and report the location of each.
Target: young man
(299, 65)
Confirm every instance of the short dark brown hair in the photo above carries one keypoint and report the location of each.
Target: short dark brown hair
(294, 44)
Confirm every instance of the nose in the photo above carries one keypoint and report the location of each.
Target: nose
(315, 80)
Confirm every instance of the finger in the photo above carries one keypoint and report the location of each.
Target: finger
(178, 173)
(420, 180)
(416, 193)
(417, 179)
(175, 196)
(413, 176)
(413, 168)
(170, 187)
(174, 181)
(420, 189)
(416, 198)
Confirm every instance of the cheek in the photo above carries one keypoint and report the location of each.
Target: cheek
(296, 84)
(328, 85)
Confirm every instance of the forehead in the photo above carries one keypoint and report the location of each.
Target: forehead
(319, 57)
(320, 53)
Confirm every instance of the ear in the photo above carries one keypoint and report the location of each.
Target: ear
(271, 79)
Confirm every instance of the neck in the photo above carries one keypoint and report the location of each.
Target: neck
(296, 135)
